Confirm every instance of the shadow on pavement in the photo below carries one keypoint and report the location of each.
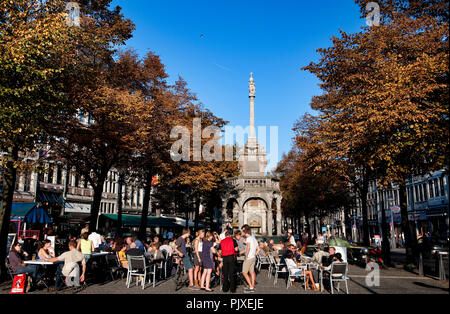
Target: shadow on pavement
(365, 287)
(424, 285)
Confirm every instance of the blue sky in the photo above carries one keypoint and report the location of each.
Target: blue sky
(272, 39)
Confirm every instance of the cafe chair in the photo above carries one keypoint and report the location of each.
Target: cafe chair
(137, 267)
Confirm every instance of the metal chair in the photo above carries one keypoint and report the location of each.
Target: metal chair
(279, 267)
(338, 273)
(113, 265)
(11, 272)
(167, 263)
(292, 274)
(138, 268)
(262, 260)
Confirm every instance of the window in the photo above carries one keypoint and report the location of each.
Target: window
(436, 188)
(77, 181)
(416, 190)
(17, 182)
(27, 183)
(425, 193)
(50, 174)
(441, 184)
(59, 176)
(40, 177)
(430, 188)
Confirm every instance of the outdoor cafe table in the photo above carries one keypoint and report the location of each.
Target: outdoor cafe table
(40, 262)
(44, 264)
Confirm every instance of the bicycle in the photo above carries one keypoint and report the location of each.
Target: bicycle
(181, 279)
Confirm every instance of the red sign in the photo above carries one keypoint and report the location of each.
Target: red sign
(19, 283)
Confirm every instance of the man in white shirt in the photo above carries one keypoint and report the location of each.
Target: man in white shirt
(166, 247)
(248, 266)
(291, 238)
(96, 240)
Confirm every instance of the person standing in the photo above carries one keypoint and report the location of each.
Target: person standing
(180, 249)
(240, 243)
(228, 248)
(96, 240)
(198, 247)
(85, 229)
(208, 261)
(85, 246)
(291, 238)
(248, 268)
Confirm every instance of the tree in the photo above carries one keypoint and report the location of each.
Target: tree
(386, 98)
(41, 67)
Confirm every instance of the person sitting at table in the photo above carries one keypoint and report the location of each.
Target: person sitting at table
(291, 263)
(134, 251)
(166, 247)
(318, 255)
(271, 244)
(116, 245)
(122, 255)
(334, 258)
(44, 250)
(139, 244)
(85, 245)
(154, 253)
(16, 260)
(330, 258)
(71, 259)
(262, 252)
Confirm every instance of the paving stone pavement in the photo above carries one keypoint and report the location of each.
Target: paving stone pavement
(392, 281)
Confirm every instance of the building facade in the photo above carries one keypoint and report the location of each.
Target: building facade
(427, 203)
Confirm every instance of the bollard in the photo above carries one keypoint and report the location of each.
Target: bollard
(420, 264)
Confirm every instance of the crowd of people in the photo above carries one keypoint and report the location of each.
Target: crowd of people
(205, 255)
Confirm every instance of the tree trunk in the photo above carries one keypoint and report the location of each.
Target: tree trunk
(145, 205)
(407, 226)
(308, 227)
(386, 248)
(197, 210)
(363, 194)
(9, 183)
(119, 204)
(98, 191)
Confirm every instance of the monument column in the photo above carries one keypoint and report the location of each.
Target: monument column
(224, 214)
(278, 217)
(241, 218)
(263, 222)
(251, 95)
(269, 222)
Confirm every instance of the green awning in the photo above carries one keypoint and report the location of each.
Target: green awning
(135, 221)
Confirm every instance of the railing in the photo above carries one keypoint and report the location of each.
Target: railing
(27, 234)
